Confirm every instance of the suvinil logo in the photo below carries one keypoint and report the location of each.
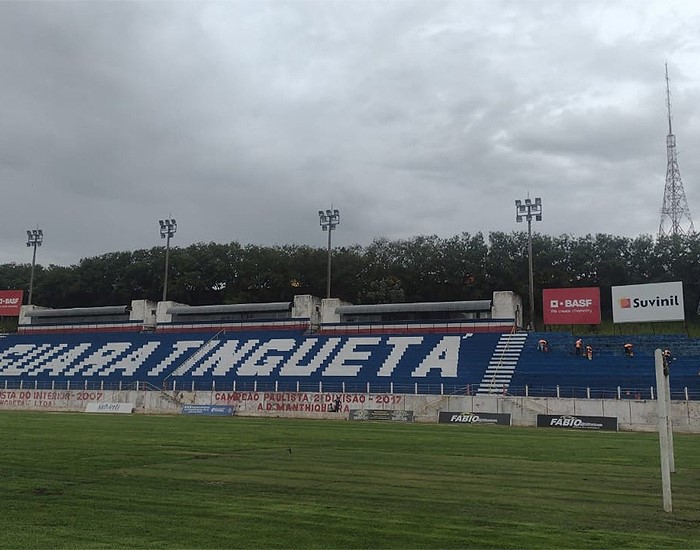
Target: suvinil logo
(634, 303)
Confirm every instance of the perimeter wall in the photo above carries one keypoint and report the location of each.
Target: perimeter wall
(630, 415)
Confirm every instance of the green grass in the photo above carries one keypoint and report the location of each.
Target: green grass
(101, 481)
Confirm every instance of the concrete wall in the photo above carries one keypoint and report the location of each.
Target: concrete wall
(24, 318)
(328, 307)
(631, 415)
(504, 305)
(162, 315)
(306, 306)
(507, 305)
(144, 311)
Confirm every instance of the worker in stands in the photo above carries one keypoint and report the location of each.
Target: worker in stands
(579, 347)
(629, 349)
(542, 345)
(589, 352)
(667, 357)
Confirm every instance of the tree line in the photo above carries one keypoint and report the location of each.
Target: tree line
(419, 269)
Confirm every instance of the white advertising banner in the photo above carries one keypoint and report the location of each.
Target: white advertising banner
(652, 302)
(114, 408)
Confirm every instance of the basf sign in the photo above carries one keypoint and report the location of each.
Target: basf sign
(10, 302)
(653, 302)
(571, 306)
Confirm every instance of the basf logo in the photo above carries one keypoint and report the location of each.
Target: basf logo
(653, 302)
(10, 302)
(571, 306)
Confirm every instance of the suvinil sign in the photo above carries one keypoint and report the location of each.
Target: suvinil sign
(650, 302)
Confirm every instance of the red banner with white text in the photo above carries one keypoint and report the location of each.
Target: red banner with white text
(571, 306)
(10, 302)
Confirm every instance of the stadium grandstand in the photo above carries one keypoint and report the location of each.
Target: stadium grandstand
(325, 345)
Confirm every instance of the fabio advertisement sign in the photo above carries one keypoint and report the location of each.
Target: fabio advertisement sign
(10, 302)
(571, 306)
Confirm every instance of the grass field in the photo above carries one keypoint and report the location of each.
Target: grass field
(101, 481)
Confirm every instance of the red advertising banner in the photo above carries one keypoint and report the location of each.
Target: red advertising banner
(571, 306)
(10, 302)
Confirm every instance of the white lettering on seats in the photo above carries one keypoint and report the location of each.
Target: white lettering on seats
(263, 361)
(295, 367)
(14, 359)
(399, 345)
(443, 357)
(99, 359)
(181, 346)
(59, 363)
(130, 363)
(226, 357)
(342, 365)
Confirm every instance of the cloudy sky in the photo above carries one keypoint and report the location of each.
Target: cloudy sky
(241, 119)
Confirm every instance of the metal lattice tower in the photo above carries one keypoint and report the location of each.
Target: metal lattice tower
(675, 214)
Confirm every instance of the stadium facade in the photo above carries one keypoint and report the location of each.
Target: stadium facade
(316, 357)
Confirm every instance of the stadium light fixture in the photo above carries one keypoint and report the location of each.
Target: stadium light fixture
(528, 210)
(168, 228)
(34, 238)
(329, 220)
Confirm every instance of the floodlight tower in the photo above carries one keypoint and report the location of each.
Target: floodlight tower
(329, 220)
(529, 210)
(168, 228)
(34, 238)
(675, 214)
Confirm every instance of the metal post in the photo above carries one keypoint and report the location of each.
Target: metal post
(34, 238)
(168, 228)
(328, 267)
(669, 423)
(664, 444)
(31, 277)
(329, 220)
(529, 210)
(167, 261)
(531, 277)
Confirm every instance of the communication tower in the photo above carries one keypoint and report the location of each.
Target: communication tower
(675, 214)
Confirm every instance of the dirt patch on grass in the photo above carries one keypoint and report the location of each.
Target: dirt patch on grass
(46, 491)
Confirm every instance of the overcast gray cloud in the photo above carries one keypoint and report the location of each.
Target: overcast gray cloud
(242, 119)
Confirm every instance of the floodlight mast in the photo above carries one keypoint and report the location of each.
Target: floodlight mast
(529, 210)
(168, 227)
(329, 220)
(34, 238)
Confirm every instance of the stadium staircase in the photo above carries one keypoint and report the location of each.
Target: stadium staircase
(502, 364)
(200, 353)
(147, 386)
